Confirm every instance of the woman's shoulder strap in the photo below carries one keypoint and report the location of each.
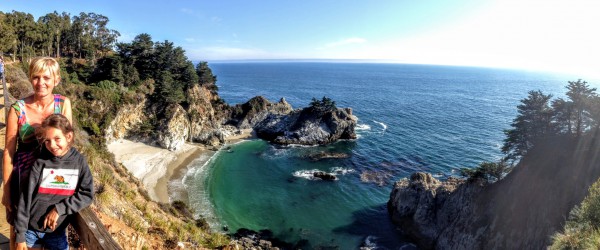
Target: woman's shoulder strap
(59, 102)
(19, 106)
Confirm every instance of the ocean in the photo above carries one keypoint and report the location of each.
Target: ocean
(411, 118)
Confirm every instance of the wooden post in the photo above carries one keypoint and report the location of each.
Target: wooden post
(92, 232)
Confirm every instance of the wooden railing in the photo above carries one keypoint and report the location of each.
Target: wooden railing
(92, 232)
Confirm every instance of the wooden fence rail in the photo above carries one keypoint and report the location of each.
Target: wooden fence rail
(92, 232)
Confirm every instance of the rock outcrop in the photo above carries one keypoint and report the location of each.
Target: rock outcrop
(129, 117)
(255, 110)
(521, 211)
(208, 120)
(425, 208)
(207, 113)
(174, 130)
(201, 121)
(308, 127)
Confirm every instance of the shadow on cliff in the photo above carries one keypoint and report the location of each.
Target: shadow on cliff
(521, 211)
(535, 199)
(375, 222)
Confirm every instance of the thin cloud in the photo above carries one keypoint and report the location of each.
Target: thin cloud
(190, 40)
(354, 40)
(227, 53)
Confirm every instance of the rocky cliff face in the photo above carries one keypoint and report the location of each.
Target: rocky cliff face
(520, 211)
(129, 117)
(426, 208)
(207, 116)
(307, 127)
(174, 130)
(202, 121)
(208, 120)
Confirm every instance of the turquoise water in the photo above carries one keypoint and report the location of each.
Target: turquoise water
(411, 118)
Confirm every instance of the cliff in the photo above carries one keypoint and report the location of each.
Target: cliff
(172, 125)
(520, 211)
(207, 120)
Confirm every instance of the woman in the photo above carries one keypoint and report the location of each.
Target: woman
(23, 117)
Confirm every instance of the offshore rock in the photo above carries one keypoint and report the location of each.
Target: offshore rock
(173, 131)
(326, 155)
(255, 110)
(308, 127)
(324, 176)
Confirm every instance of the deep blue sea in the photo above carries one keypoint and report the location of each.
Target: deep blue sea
(411, 118)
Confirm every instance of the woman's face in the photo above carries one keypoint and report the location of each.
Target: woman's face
(43, 83)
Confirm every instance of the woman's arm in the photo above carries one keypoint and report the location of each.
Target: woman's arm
(67, 112)
(9, 153)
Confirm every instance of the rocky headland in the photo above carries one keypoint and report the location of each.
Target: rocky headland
(521, 211)
(281, 124)
(208, 121)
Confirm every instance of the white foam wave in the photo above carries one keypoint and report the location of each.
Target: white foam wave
(370, 243)
(306, 174)
(309, 174)
(383, 125)
(360, 127)
(341, 171)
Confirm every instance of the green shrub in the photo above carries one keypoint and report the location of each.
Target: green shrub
(489, 172)
(322, 106)
(582, 229)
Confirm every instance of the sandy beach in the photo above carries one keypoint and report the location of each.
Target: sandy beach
(158, 167)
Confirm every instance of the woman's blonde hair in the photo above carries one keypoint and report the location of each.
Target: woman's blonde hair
(38, 65)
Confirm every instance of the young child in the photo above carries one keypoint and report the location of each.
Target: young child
(60, 184)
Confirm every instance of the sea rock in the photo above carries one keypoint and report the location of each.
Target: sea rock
(308, 127)
(255, 110)
(326, 155)
(324, 176)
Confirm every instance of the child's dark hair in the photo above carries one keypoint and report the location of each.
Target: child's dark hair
(57, 121)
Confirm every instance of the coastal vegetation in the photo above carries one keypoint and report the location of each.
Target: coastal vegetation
(523, 200)
(540, 118)
(101, 76)
(150, 91)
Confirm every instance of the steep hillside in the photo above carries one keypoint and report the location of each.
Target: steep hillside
(521, 211)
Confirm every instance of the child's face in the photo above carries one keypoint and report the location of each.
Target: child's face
(57, 142)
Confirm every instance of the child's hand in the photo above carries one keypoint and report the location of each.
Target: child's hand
(51, 219)
(21, 246)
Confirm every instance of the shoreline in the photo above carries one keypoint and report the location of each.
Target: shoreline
(159, 169)
(162, 189)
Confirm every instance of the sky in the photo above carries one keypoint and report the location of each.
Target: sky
(548, 35)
